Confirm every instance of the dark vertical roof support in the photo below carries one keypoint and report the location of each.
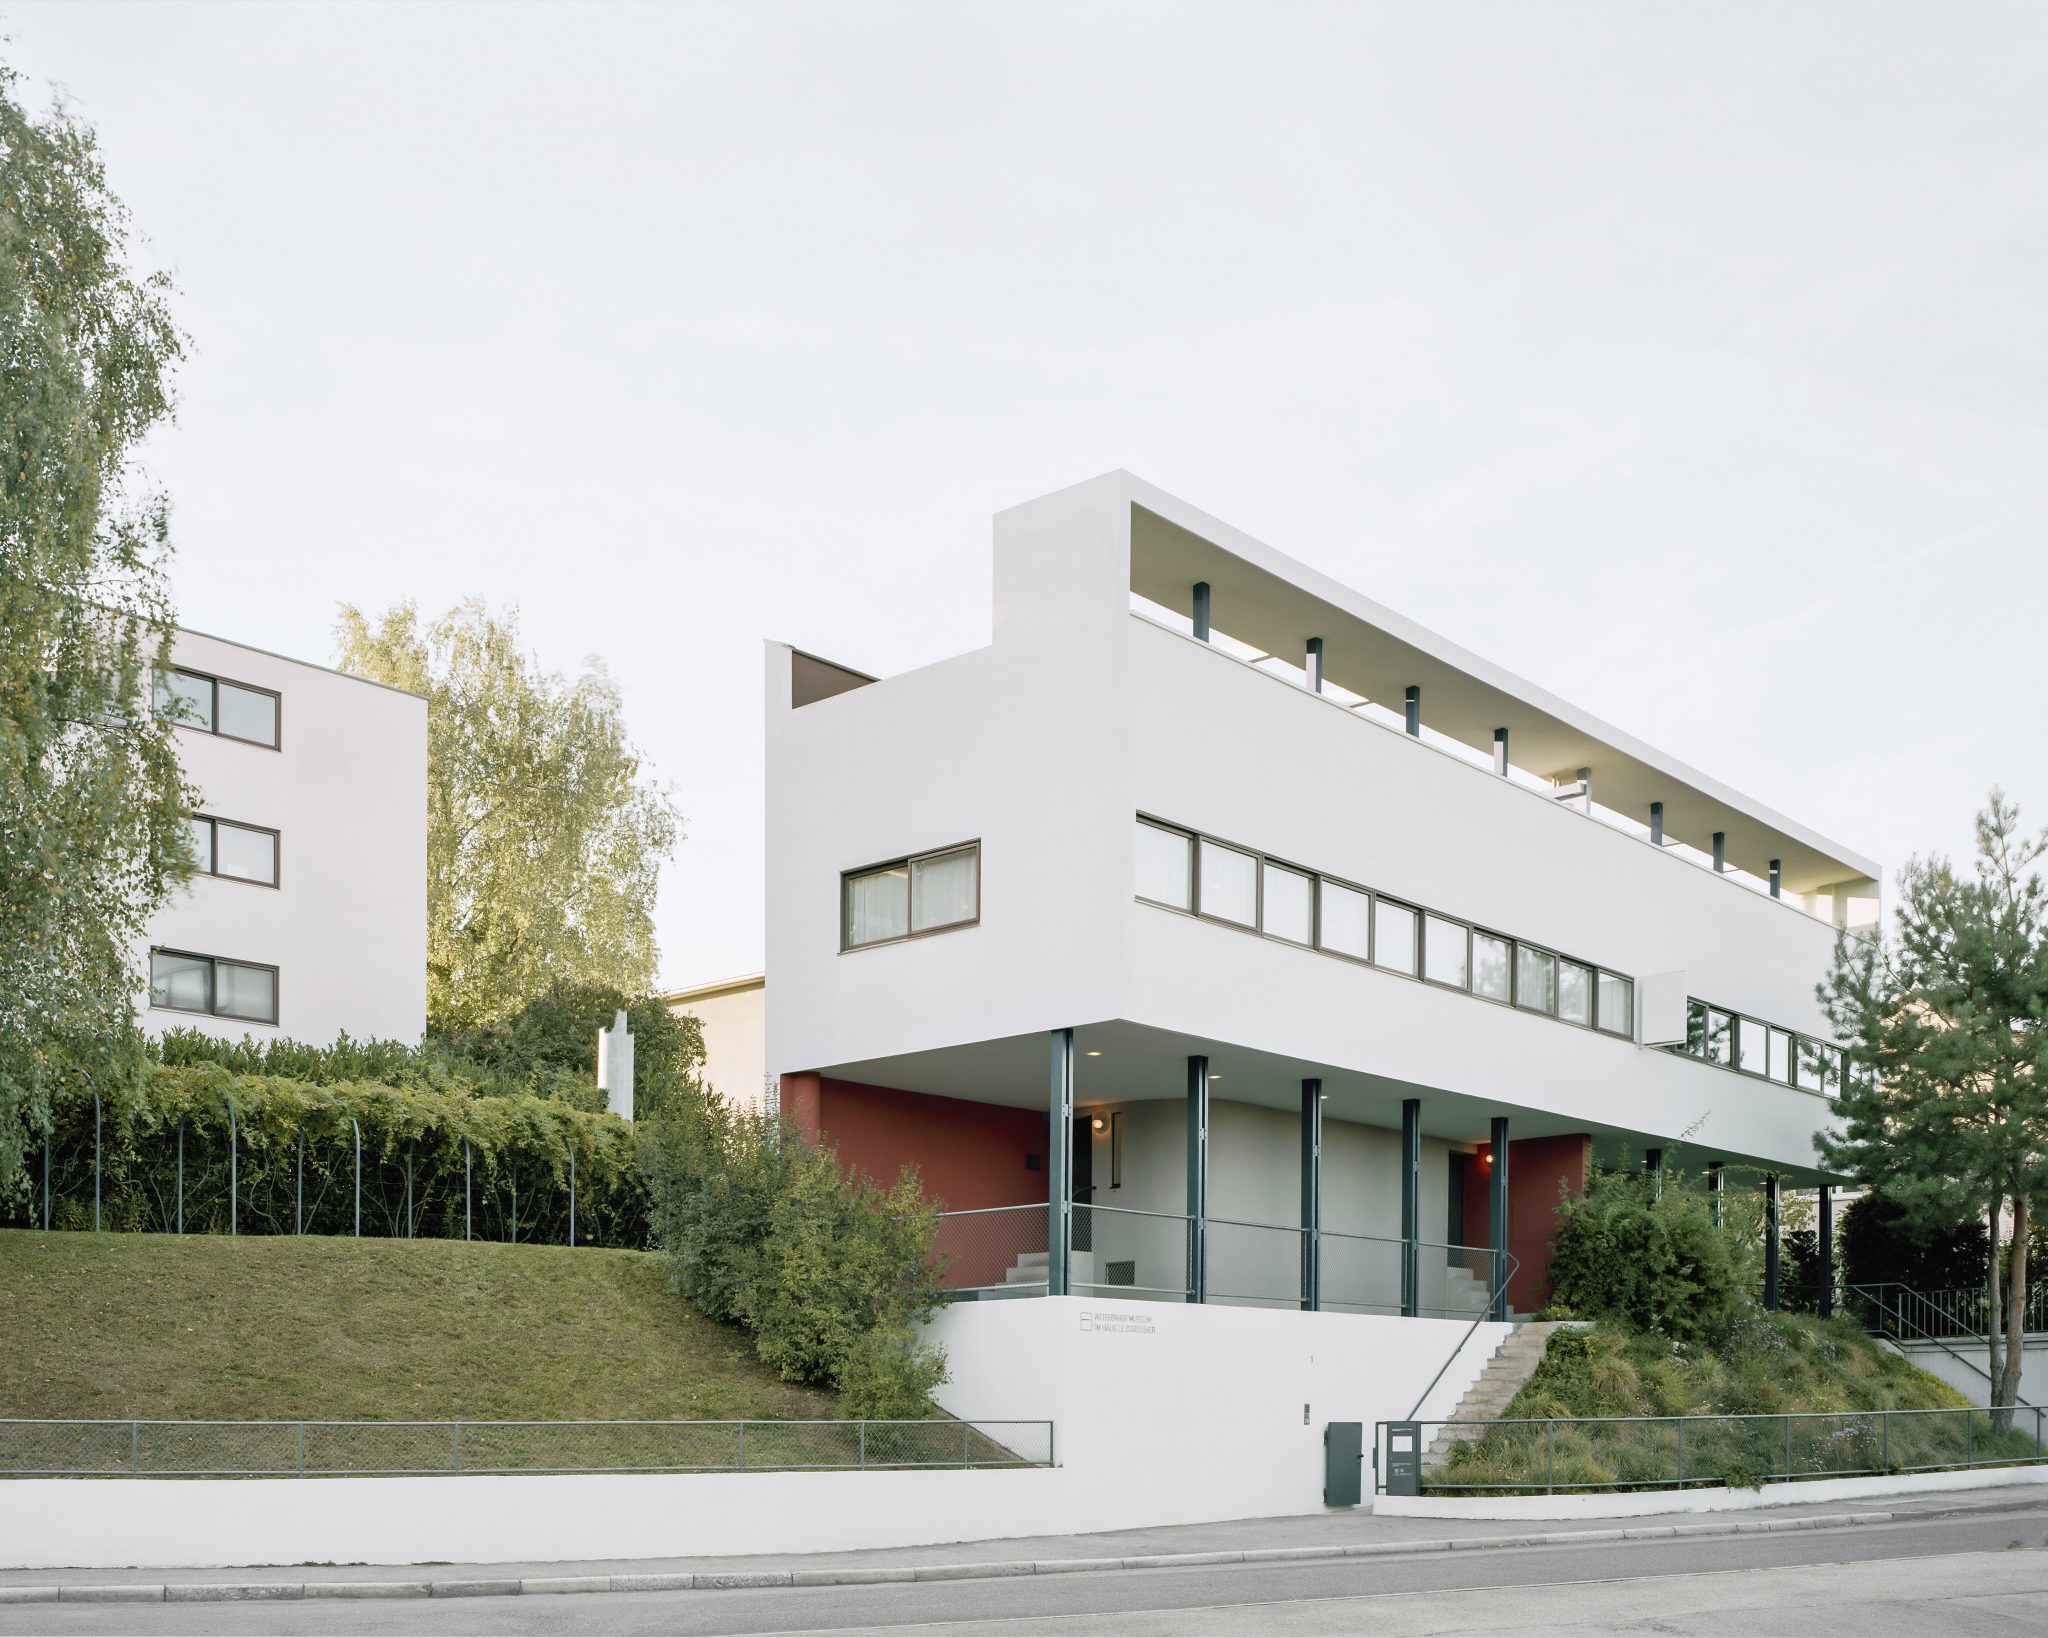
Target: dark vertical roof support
(1313, 665)
(1720, 850)
(1500, 752)
(1657, 823)
(1202, 610)
(1413, 700)
(1777, 879)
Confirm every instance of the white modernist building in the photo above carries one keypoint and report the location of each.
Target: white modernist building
(308, 916)
(1217, 935)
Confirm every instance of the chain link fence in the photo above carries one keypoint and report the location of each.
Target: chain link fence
(221, 1450)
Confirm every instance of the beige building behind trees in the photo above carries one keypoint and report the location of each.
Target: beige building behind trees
(734, 1016)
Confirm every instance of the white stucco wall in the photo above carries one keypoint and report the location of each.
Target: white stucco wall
(346, 926)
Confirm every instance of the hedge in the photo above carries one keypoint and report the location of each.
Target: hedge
(290, 1149)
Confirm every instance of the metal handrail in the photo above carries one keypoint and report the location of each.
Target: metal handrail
(1493, 1297)
(1871, 1294)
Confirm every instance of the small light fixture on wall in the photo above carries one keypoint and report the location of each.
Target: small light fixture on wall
(1100, 1123)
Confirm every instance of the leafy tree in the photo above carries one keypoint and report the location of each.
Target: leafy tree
(1948, 1110)
(92, 804)
(544, 838)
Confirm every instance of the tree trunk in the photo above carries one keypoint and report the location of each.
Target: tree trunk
(1994, 1320)
(2006, 1390)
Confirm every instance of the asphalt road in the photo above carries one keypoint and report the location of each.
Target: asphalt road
(1962, 1574)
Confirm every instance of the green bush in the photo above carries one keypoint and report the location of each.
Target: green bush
(438, 1161)
(1654, 1259)
(828, 1274)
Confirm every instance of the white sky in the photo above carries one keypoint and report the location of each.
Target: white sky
(1690, 360)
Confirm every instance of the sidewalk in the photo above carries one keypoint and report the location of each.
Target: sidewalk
(1329, 1535)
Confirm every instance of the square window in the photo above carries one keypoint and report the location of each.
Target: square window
(1720, 1037)
(945, 889)
(1617, 1005)
(1574, 993)
(1781, 1057)
(1230, 884)
(1394, 937)
(245, 853)
(248, 713)
(1287, 909)
(1490, 972)
(180, 981)
(1347, 921)
(877, 905)
(202, 844)
(185, 697)
(1752, 1046)
(1445, 959)
(245, 992)
(1166, 860)
(1535, 979)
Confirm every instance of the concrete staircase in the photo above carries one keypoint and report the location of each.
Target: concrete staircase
(1513, 1363)
(1027, 1275)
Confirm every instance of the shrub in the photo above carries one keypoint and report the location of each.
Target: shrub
(1654, 1260)
(1880, 1246)
(828, 1274)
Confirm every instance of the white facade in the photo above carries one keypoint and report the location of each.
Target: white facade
(1096, 706)
(311, 919)
(733, 1014)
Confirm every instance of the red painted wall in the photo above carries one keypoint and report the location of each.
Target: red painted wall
(1536, 1169)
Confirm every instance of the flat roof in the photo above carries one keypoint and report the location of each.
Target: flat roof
(1263, 597)
(723, 986)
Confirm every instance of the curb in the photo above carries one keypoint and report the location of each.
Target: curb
(720, 1580)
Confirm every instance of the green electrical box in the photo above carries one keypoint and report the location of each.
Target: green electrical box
(1343, 1462)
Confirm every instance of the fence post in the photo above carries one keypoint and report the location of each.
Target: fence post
(1788, 1447)
(515, 1205)
(358, 1125)
(1969, 1438)
(302, 1450)
(234, 1222)
(1681, 1452)
(572, 1191)
(966, 1448)
(465, 1189)
(743, 1447)
(409, 1145)
(181, 1177)
(134, 1449)
(1884, 1449)
(863, 1446)
(49, 1138)
(1550, 1458)
(95, 1160)
(457, 1426)
(299, 1198)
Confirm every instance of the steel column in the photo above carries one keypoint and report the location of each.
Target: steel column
(1499, 1214)
(1500, 752)
(1059, 1157)
(1198, 1177)
(1312, 663)
(1311, 1194)
(1717, 1187)
(1201, 614)
(1653, 1163)
(1657, 823)
(1771, 1241)
(1411, 1205)
(1827, 1251)
(1411, 708)
(1720, 850)
(1777, 878)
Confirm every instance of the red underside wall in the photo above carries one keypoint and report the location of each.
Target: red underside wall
(1536, 1169)
(968, 1156)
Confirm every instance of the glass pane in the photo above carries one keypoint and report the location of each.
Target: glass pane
(878, 905)
(1617, 1004)
(246, 714)
(246, 992)
(1720, 1037)
(1696, 1028)
(1394, 925)
(1230, 884)
(1490, 966)
(1165, 861)
(1346, 926)
(1574, 993)
(1781, 1056)
(1288, 904)
(250, 855)
(1751, 1046)
(1443, 951)
(945, 889)
(185, 698)
(1535, 979)
(180, 981)
(202, 845)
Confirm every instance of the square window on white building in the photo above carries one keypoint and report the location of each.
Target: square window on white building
(945, 889)
(1347, 920)
(1617, 1002)
(1445, 958)
(1490, 972)
(1230, 884)
(878, 905)
(1535, 979)
(1574, 993)
(1393, 929)
(1287, 909)
(1166, 866)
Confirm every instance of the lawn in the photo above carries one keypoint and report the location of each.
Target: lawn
(205, 1327)
(1788, 1394)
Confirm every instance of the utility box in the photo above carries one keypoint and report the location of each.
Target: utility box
(1404, 1458)
(1343, 1463)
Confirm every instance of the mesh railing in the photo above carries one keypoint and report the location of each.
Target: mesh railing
(1361, 1274)
(996, 1252)
(1957, 1314)
(1255, 1265)
(1119, 1252)
(1636, 1452)
(162, 1450)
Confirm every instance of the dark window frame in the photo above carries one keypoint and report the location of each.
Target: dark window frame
(277, 853)
(1799, 1042)
(214, 964)
(908, 865)
(215, 681)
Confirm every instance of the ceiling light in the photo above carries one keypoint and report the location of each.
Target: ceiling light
(1094, 1053)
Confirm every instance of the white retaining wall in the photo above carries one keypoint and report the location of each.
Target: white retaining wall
(1164, 1414)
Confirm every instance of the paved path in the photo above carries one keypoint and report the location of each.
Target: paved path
(1962, 1566)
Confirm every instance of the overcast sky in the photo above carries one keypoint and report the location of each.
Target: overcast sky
(1690, 360)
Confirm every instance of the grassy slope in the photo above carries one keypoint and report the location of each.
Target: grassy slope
(151, 1325)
